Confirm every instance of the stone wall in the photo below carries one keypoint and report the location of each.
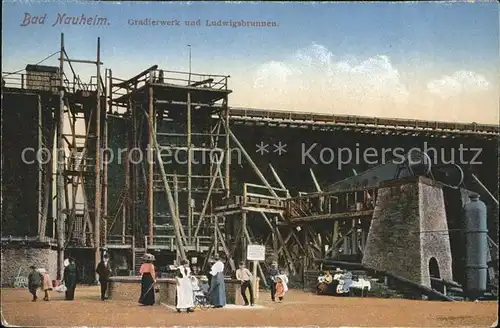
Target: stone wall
(409, 228)
(434, 236)
(393, 240)
(17, 260)
(129, 289)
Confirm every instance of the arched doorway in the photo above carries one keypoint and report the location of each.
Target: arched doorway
(434, 273)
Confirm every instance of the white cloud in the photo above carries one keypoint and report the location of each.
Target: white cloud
(458, 83)
(315, 79)
(314, 73)
(274, 74)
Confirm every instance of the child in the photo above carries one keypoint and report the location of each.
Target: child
(34, 282)
(47, 284)
(203, 285)
(273, 273)
(281, 285)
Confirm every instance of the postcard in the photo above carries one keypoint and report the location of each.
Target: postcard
(271, 164)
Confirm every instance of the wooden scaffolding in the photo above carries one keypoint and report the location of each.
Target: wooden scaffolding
(71, 149)
(184, 168)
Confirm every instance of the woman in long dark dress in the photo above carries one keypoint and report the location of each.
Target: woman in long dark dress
(148, 281)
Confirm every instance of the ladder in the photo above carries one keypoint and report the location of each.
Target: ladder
(138, 256)
(118, 209)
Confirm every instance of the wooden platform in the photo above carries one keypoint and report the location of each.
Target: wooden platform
(251, 204)
(362, 124)
(332, 216)
(161, 242)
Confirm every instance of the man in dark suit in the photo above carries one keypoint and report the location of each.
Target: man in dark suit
(104, 271)
(70, 278)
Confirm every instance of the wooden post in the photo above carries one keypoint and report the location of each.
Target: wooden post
(254, 279)
(152, 130)
(97, 199)
(107, 93)
(176, 194)
(277, 177)
(61, 214)
(354, 239)
(335, 237)
(126, 204)
(41, 228)
(133, 255)
(216, 239)
(228, 149)
(190, 170)
(244, 235)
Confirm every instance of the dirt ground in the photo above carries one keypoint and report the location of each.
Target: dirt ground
(298, 309)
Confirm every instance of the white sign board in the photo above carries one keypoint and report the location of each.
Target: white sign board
(256, 253)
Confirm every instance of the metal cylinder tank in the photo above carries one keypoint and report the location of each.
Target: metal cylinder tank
(476, 247)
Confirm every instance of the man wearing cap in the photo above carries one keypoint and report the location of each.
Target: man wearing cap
(69, 279)
(104, 271)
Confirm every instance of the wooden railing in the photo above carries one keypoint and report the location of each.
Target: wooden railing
(120, 87)
(120, 240)
(328, 205)
(23, 80)
(169, 242)
(259, 195)
(27, 239)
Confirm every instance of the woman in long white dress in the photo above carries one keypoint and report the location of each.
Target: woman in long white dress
(185, 296)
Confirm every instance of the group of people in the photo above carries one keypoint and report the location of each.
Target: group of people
(341, 283)
(186, 285)
(278, 281)
(39, 278)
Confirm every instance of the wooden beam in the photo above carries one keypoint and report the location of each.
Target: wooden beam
(150, 182)
(170, 199)
(237, 239)
(226, 250)
(280, 182)
(244, 235)
(297, 239)
(333, 216)
(134, 79)
(287, 254)
(207, 200)
(252, 164)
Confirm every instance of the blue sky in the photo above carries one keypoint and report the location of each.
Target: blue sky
(419, 38)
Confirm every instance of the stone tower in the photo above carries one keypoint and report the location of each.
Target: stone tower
(409, 231)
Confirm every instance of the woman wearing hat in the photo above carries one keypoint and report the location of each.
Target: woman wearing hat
(185, 295)
(47, 284)
(148, 280)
